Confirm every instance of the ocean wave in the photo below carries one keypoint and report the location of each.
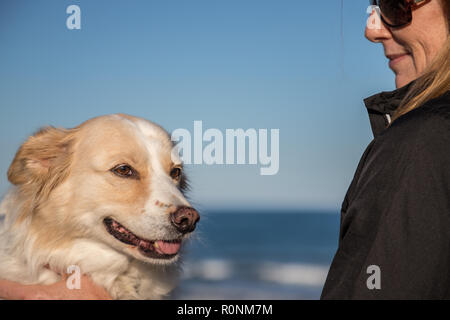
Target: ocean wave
(209, 269)
(291, 274)
(294, 274)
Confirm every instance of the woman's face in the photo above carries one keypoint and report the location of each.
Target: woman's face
(412, 48)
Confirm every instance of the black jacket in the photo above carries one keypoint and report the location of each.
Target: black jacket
(396, 213)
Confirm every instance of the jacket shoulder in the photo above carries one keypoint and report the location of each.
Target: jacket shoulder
(429, 122)
(420, 139)
(437, 109)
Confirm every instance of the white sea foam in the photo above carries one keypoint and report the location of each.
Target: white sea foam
(210, 269)
(292, 274)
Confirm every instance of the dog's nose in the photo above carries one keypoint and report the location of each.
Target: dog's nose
(185, 219)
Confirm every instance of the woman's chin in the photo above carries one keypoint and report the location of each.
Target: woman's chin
(403, 80)
(404, 70)
(400, 82)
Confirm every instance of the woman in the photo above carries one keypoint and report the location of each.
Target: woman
(394, 239)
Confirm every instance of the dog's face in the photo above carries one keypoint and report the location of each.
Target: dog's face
(113, 179)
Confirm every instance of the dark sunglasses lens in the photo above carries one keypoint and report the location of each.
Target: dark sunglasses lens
(395, 12)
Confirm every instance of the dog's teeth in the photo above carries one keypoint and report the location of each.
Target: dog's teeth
(156, 245)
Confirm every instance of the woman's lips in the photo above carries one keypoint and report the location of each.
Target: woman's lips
(394, 59)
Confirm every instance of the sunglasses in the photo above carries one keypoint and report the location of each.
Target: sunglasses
(397, 13)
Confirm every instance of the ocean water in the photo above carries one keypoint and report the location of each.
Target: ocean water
(259, 255)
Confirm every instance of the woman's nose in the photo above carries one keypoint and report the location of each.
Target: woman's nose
(376, 31)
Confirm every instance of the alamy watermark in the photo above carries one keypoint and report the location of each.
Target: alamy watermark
(74, 20)
(374, 20)
(235, 147)
(374, 280)
(74, 280)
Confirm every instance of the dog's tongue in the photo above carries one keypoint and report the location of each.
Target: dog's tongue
(163, 247)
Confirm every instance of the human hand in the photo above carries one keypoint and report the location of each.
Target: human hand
(58, 291)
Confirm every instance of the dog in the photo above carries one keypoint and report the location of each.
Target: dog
(107, 197)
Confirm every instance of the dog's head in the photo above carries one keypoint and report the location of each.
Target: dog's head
(113, 179)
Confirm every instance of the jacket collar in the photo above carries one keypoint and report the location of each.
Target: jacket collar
(382, 106)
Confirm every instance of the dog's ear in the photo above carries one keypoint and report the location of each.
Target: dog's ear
(44, 157)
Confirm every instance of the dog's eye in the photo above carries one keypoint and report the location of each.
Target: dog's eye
(124, 170)
(175, 173)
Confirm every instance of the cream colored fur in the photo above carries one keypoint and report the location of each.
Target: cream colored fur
(63, 189)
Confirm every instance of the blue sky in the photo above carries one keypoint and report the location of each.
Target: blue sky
(232, 64)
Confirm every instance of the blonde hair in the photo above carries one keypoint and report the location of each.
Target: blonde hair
(434, 82)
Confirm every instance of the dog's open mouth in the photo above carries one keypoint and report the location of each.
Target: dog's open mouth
(158, 249)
